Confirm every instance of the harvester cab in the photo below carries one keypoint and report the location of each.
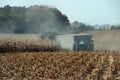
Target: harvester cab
(83, 43)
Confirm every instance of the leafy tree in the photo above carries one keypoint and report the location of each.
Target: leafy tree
(44, 19)
(18, 14)
(115, 27)
(81, 26)
(75, 24)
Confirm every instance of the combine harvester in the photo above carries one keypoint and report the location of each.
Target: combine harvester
(77, 41)
(83, 42)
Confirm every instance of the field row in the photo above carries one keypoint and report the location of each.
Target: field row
(25, 45)
(60, 65)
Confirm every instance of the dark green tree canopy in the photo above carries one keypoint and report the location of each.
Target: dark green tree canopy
(34, 19)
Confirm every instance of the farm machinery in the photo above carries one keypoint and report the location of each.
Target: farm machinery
(81, 42)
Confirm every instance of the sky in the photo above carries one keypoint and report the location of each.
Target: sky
(86, 11)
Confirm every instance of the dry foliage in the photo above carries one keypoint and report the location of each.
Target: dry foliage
(106, 40)
(27, 45)
(60, 66)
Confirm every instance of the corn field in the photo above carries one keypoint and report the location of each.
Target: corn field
(66, 65)
(26, 58)
(20, 44)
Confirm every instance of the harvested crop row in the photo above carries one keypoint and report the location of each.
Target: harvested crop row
(60, 65)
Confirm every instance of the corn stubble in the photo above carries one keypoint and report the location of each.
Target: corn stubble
(66, 65)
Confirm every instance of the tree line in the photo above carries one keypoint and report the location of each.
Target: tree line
(34, 19)
(39, 19)
(87, 27)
